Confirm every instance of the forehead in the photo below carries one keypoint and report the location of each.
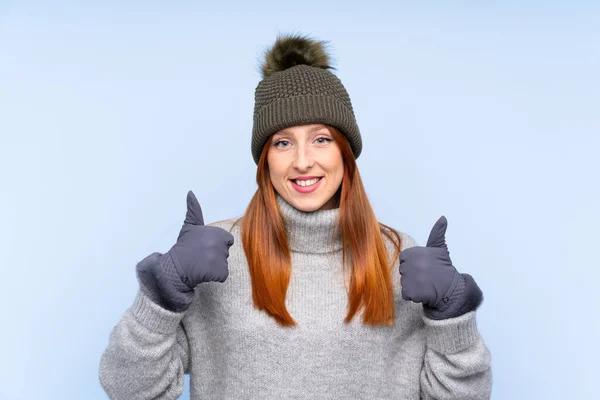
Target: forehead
(302, 129)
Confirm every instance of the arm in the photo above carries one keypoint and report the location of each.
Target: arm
(457, 362)
(148, 352)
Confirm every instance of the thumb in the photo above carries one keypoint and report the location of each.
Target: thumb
(437, 237)
(193, 215)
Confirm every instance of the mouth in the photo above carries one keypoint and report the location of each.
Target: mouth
(306, 182)
(306, 185)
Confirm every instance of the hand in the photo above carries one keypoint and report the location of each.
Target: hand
(200, 253)
(428, 275)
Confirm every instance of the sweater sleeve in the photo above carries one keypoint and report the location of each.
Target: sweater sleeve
(457, 362)
(147, 354)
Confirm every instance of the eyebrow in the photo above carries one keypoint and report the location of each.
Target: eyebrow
(315, 129)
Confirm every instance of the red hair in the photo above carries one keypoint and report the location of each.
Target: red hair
(265, 244)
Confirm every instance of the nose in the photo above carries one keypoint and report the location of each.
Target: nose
(303, 160)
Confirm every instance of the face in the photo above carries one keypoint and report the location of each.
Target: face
(306, 167)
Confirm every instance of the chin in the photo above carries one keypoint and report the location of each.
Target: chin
(307, 208)
(308, 205)
(306, 202)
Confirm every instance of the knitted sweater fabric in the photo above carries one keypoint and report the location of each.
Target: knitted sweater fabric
(233, 351)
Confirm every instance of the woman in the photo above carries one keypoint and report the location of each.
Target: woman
(307, 295)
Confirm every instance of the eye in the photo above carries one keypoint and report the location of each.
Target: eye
(277, 143)
(324, 140)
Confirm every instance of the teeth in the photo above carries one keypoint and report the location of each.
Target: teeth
(307, 182)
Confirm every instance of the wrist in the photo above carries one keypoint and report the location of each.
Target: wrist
(175, 295)
(161, 283)
(466, 297)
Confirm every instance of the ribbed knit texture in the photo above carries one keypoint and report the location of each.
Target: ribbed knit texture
(302, 95)
(233, 351)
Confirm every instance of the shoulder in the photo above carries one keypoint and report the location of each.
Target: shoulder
(390, 238)
(406, 310)
(231, 225)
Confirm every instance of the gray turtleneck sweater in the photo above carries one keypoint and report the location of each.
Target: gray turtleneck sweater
(233, 351)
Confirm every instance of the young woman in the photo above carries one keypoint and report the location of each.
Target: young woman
(307, 296)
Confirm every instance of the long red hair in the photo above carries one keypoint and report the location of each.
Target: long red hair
(265, 244)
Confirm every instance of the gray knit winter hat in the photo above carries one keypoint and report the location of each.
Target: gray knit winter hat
(297, 89)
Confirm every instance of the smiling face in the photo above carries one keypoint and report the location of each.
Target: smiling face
(306, 166)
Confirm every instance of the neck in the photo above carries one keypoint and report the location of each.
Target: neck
(310, 232)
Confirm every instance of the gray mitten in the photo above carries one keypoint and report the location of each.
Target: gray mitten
(199, 255)
(429, 277)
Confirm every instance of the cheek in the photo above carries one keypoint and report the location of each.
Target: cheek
(275, 177)
(340, 175)
(274, 167)
(338, 167)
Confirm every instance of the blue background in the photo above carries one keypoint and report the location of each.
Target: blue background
(487, 113)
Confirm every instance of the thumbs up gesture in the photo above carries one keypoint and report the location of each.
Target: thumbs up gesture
(200, 253)
(429, 277)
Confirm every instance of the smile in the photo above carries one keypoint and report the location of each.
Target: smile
(308, 182)
(306, 186)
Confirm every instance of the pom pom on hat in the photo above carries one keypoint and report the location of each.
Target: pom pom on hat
(291, 50)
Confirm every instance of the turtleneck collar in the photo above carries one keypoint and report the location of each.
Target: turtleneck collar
(310, 232)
